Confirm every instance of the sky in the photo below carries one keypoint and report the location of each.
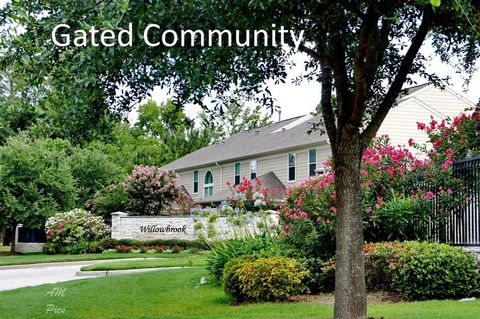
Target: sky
(302, 99)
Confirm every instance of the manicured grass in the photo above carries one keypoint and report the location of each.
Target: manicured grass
(184, 261)
(41, 258)
(171, 294)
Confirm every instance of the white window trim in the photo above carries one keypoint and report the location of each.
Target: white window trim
(208, 185)
(288, 167)
(198, 182)
(235, 173)
(316, 161)
(256, 168)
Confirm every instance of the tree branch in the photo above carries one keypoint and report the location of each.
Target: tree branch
(396, 86)
(368, 58)
(326, 104)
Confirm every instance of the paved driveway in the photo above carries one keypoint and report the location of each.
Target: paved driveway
(13, 277)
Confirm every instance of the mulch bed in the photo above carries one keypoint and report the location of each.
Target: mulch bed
(328, 298)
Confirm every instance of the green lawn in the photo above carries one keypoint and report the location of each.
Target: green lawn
(40, 258)
(182, 261)
(171, 294)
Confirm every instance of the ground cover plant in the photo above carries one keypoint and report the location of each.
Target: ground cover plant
(172, 294)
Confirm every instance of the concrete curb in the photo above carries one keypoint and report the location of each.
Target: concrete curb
(99, 273)
(73, 263)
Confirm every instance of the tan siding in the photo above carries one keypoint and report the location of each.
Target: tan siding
(276, 163)
(401, 123)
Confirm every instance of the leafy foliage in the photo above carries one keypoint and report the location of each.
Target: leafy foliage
(459, 137)
(235, 119)
(231, 278)
(434, 271)
(92, 171)
(151, 190)
(76, 232)
(398, 191)
(110, 199)
(35, 181)
(254, 247)
(270, 279)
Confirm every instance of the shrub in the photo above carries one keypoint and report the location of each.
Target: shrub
(113, 198)
(420, 270)
(252, 195)
(73, 232)
(396, 206)
(151, 190)
(231, 279)
(379, 259)
(434, 271)
(459, 137)
(224, 251)
(271, 279)
(159, 243)
(321, 275)
(124, 248)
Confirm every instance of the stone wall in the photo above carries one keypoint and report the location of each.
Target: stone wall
(173, 227)
(26, 247)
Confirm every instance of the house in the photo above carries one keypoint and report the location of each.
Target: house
(282, 154)
(284, 149)
(419, 104)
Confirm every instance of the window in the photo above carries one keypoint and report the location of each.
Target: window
(208, 185)
(237, 174)
(195, 182)
(312, 162)
(292, 159)
(253, 169)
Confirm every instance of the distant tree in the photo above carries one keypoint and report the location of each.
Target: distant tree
(234, 119)
(168, 124)
(35, 182)
(92, 171)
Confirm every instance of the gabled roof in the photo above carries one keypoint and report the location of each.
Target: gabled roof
(271, 138)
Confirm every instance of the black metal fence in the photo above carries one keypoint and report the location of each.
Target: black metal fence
(462, 226)
(26, 235)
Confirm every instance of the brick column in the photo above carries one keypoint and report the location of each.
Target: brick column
(116, 222)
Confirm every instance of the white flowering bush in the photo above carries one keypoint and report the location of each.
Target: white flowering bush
(76, 231)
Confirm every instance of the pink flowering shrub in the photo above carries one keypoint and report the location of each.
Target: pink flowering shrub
(398, 194)
(459, 137)
(252, 195)
(152, 191)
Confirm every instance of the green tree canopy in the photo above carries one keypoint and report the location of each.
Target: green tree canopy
(35, 181)
(363, 51)
(235, 118)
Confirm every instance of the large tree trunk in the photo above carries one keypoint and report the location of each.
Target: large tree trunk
(350, 291)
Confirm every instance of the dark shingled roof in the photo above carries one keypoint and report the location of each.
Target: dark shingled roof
(269, 180)
(262, 140)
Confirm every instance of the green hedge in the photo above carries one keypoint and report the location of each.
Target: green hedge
(169, 242)
(421, 270)
(434, 271)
